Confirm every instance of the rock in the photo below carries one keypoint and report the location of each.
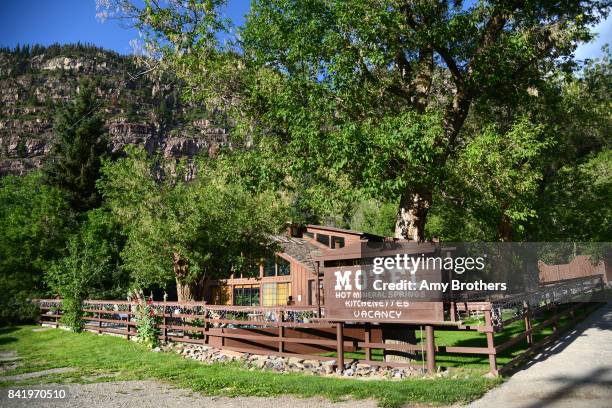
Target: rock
(312, 363)
(232, 355)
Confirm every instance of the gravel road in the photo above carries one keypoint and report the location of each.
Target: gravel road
(138, 394)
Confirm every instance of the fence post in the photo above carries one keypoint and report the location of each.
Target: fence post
(281, 332)
(528, 324)
(491, 342)
(431, 349)
(205, 321)
(340, 346)
(368, 339)
(99, 322)
(165, 315)
(129, 319)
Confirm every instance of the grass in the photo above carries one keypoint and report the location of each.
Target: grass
(107, 358)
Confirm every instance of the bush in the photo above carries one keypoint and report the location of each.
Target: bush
(72, 316)
(146, 320)
(18, 309)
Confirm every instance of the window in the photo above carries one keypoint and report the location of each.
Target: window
(219, 295)
(246, 295)
(337, 242)
(277, 267)
(269, 268)
(276, 294)
(283, 266)
(323, 239)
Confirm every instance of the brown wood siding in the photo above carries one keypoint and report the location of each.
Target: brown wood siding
(299, 284)
(581, 266)
(298, 279)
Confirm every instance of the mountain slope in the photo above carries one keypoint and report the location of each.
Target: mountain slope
(35, 81)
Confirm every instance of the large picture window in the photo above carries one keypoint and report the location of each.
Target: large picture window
(246, 295)
(276, 294)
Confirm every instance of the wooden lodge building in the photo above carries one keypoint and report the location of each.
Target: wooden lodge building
(291, 278)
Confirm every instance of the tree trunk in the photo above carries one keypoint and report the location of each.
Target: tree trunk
(505, 229)
(185, 291)
(410, 224)
(412, 214)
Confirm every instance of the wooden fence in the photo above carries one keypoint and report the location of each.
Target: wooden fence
(298, 332)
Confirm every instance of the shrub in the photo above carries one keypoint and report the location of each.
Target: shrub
(146, 320)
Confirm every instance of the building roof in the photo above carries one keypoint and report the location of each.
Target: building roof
(346, 231)
(299, 249)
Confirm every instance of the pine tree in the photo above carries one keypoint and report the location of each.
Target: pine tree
(74, 163)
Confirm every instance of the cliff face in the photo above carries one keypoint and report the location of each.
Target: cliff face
(35, 82)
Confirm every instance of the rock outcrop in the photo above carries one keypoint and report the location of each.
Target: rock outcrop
(35, 82)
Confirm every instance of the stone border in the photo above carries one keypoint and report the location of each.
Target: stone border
(355, 369)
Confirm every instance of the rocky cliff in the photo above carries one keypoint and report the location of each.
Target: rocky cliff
(36, 81)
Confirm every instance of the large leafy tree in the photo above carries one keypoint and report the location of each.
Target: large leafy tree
(407, 67)
(74, 163)
(379, 91)
(188, 231)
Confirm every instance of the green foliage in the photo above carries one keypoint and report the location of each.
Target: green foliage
(371, 94)
(374, 217)
(74, 163)
(35, 221)
(182, 230)
(494, 183)
(73, 276)
(101, 234)
(91, 267)
(576, 202)
(146, 320)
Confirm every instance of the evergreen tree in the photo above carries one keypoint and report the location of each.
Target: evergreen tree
(74, 163)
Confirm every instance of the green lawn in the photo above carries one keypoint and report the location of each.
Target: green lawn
(107, 358)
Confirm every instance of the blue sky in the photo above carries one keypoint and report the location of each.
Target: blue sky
(69, 21)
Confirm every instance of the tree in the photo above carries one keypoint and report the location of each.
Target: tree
(325, 75)
(72, 278)
(575, 204)
(35, 221)
(74, 162)
(417, 59)
(187, 231)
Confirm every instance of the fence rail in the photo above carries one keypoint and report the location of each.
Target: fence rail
(295, 331)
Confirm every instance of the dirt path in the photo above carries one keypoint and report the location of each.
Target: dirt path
(138, 394)
(574, 372)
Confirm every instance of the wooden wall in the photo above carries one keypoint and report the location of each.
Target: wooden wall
(581, 266)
